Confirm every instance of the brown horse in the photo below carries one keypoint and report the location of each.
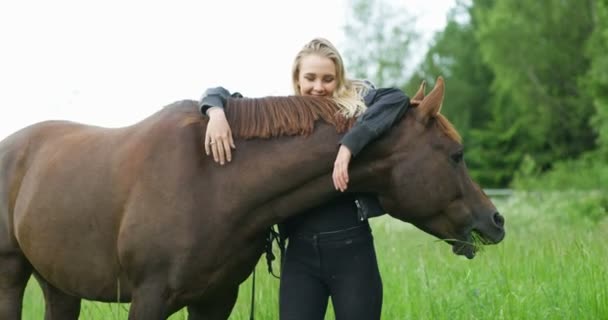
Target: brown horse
(140, 214)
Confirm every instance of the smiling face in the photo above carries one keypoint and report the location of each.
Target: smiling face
(317, 76)
(318, 70)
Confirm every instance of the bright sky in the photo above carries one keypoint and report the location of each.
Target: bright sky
(114, 62)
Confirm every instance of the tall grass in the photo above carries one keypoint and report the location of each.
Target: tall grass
(546, 268)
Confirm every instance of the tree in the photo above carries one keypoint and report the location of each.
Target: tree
(534, 51)
(595, 81)
(455, 54)
(379, 38)
(525, 81)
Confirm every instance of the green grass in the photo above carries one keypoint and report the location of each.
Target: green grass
(546, 268)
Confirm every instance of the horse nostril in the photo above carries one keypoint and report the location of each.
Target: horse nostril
(499, 220)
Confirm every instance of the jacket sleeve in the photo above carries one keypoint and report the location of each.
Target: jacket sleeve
(215, 97)
(384, 107)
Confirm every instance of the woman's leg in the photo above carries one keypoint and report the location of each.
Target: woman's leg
(354, 279)
(302, 293)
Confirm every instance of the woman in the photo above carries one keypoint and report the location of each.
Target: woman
(330, 251)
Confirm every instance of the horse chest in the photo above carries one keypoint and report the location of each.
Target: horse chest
(239, 258)
(220, 269)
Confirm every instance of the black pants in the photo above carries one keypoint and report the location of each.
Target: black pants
(342, 265)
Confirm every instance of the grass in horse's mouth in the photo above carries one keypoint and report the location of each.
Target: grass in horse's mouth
(477, 241)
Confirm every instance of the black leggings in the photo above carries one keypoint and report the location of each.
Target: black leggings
(342, 265)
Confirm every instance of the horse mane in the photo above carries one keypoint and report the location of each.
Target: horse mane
(293, 115)
(447, 127)
(279, 116)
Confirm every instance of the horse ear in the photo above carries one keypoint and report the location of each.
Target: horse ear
(420, 93)
(431, 104)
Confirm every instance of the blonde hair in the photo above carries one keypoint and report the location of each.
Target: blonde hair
(349, 93)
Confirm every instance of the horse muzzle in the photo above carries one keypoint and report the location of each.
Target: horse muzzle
(492, 232)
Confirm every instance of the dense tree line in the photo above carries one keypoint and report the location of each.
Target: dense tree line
(526, 82)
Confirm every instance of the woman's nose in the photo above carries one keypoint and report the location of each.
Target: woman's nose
(318, 86)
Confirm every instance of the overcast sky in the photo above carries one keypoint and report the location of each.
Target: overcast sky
(114, 62)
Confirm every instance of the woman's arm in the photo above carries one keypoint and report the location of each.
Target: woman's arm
(215, 98)
(385, 107)
(218, 137)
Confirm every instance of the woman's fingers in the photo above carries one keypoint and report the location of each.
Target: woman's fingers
(214, 150)
(232, 141)
(207, 143)
(227, 148)
(334, 178)
(340, 174)
(344, 178)
(340, 177)
(220, 151)
(218, 138)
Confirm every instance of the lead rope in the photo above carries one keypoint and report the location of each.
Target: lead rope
(272, 236)
(252, 295)
(270, 257)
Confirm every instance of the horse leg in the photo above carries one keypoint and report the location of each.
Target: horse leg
(217, 308)
(58, 305)
(149, 302)
(15, 271)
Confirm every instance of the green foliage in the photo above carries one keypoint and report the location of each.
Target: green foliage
(380, 38)
(511, 84)
(493, 155)
(595, 80)
(575, 208)
(526, 82)
(455, 56)
(589, 172)
(537, 59)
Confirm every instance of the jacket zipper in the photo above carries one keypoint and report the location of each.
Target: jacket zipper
(360, 212)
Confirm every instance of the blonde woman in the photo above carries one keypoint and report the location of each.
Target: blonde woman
(331, 251)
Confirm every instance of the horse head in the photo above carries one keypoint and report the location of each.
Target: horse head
(425, 180)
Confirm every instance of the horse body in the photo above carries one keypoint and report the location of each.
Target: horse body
(141, 214)
(127, 205)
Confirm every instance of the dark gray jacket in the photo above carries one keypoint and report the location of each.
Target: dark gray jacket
(384, 107)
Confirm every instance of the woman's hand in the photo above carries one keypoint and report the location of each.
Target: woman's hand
(218, 138)
(340, 175)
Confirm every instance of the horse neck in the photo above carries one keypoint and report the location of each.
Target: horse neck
(288, 174)
(370, 171)
(297, 173)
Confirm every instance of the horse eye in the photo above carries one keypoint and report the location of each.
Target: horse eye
(457, 157)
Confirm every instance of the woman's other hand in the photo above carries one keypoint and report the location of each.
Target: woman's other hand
(218, 138)
(340, 175)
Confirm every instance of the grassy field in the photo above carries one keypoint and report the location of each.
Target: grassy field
(551, 265)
